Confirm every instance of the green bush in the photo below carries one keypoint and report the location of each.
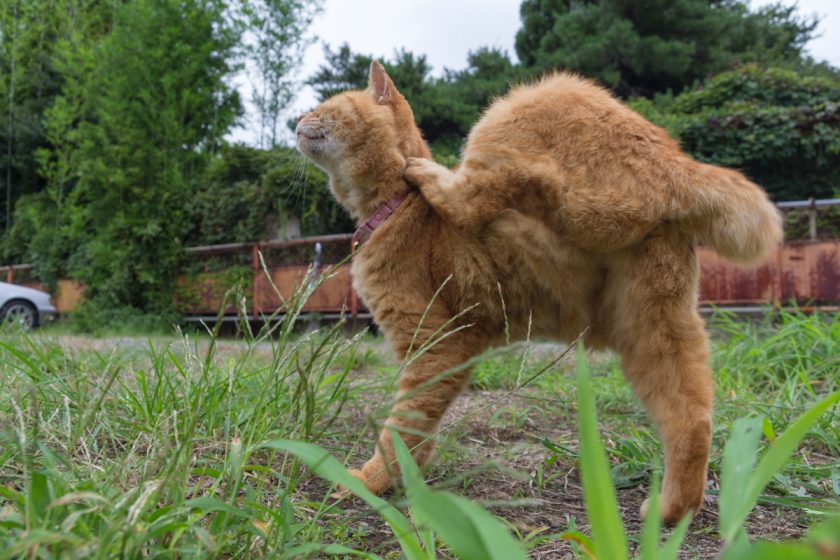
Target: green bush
(780, 128)
(247, 194)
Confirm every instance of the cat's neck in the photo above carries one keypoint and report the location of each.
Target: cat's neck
(364, 202)
(363, 185)
(363, 195)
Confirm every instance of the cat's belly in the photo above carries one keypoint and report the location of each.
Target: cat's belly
(545, 281)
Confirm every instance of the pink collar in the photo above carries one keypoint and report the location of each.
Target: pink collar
(367, 228)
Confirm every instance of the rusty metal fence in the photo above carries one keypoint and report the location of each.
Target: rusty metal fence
(804, 272)
(258, 268)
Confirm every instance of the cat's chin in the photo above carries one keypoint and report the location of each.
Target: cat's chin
(312, 148)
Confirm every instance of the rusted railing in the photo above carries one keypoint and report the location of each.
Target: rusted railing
(806, 272)
(811, 206)
(272, 264)
(9, 271)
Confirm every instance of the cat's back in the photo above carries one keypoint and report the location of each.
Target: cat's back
(562, 110)
(558, 92)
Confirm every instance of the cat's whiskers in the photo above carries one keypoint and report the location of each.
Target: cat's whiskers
(300, 177)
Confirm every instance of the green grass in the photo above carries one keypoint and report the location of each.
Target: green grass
(776, 368)
(168, 447)
(136, 452)
(741, 486)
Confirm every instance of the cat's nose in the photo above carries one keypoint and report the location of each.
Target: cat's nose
(302, 116)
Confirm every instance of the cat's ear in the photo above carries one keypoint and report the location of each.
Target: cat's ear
(379, 84)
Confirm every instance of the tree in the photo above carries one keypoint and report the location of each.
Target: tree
(142, 103)
(643, 47)
(273, 43)
(28, 85)
(48, 110)
(141, 109)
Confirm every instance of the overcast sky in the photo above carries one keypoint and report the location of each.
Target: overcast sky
(446, 30)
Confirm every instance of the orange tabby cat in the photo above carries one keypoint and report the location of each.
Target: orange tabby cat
(569, 211)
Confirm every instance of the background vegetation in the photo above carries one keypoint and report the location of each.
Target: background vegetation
(113, 151)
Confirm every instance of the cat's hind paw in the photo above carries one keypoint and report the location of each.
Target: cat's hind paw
(431, 178)
(425, 173)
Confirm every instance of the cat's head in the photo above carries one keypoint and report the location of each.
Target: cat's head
(361, 139)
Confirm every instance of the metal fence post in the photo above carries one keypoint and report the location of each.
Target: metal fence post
(314, 323)
(255, 266)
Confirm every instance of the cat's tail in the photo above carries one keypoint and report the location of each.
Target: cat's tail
(730, 214)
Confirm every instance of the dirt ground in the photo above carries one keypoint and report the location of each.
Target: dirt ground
(496, 464)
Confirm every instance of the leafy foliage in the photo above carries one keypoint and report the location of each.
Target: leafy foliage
(29, 82)
(781, 128)
(142, 103)
(138, 145)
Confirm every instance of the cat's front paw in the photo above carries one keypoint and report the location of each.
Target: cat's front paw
(420, 171)
(375, 480)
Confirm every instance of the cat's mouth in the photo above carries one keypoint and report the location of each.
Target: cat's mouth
(310, 135)
(309, 139)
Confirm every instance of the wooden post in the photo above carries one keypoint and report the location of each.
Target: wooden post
(812, 219)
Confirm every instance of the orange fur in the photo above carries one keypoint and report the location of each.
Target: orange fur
(568, 211)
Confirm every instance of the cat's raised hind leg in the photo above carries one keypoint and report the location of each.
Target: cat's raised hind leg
(473, 194)
(460, 197)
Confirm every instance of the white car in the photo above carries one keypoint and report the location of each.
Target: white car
(25, 306)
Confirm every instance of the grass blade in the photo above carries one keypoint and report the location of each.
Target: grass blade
(776, 456)
(671, 549)
(312, 550)
(327, 467)
(653, 524)
(471, 532)
(739, 458)
(601, 505)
